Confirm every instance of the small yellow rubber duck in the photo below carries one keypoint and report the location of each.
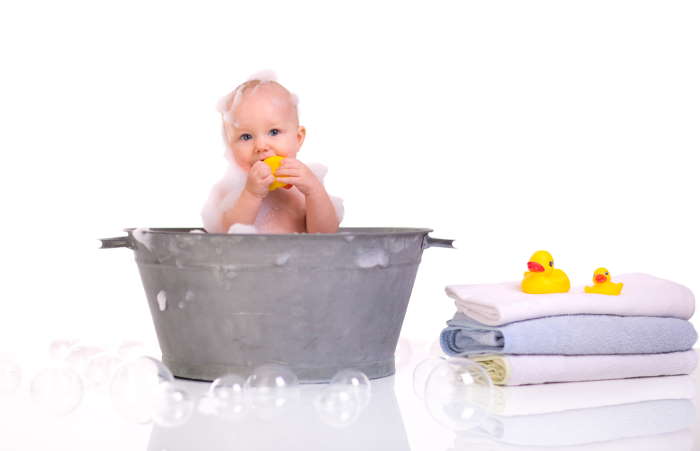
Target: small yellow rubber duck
(542, 277)
(602, 284)
(274, 163)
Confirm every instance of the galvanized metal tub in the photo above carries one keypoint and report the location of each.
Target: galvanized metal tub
(317, 303)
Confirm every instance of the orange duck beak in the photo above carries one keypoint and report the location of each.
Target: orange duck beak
(535, 267)
(600, 278)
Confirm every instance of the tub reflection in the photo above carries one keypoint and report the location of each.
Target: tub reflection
(301, 423)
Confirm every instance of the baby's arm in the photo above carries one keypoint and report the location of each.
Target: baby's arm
(320, 212)
(247, 206)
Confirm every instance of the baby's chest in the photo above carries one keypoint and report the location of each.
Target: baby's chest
(283, 213)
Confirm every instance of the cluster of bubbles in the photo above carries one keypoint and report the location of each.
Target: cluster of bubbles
(458, 392)
(122, 371)
(272, 389)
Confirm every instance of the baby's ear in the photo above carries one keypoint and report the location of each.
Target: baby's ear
(301, 134)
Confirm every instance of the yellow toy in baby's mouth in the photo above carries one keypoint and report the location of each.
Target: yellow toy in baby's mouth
(274, 164)
(603, 284)
(542, 277)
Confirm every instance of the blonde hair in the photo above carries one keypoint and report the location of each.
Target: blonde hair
(228, 103)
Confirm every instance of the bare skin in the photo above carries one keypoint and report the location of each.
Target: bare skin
(264, 123)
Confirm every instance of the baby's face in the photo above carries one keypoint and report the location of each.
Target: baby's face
(263, 123)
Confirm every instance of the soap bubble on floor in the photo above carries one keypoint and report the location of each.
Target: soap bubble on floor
(354, 381)
(270, 389)
(100, 370)
(458, 393)
(59, 349)
(10, 375)
(225, 398)
(130, 349)
(172, 406)
(80, 356)
(135, 386)
(421, 373)
(338, 406)
(57, 391)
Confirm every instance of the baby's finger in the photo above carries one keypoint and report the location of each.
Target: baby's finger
(287, 172)
(289, 180)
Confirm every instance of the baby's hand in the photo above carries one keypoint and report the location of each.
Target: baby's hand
(259, 179)
(296, 173)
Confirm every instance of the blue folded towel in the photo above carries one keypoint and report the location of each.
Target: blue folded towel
(569, 335)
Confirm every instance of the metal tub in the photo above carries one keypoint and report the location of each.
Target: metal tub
(317, 303)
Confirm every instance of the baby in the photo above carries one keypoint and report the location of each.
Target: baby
(260, 120)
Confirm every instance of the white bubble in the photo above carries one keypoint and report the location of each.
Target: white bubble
(173, 406)
(458, 393)
(59, 349)
(282, 259)
(372, 258)
(349, 238)
(79, 357)
(189, 296)
(10, 375)
(99, 371)
(181, 305)
(57, 391)
(421, 373)
(225, 398)
(142, 237)
(128, 350)
(338, 406)
(228, 387)
(162, 300)
(197, 231)
(355, 382)
(135, 385)
(271, 389)
(242, 228)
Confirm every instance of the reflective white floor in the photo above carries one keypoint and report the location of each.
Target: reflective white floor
(641, 414)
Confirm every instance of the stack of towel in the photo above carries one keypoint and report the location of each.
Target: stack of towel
(525, 338)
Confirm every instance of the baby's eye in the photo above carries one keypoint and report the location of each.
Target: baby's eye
(246, 137)
(274, 132)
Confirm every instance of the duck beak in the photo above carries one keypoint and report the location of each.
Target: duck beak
(535, 267)
(600, 278)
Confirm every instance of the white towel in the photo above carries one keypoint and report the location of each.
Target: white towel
(537, 369)
(642, 295)
(546, 398)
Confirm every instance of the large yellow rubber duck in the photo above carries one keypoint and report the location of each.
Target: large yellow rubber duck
(542, 277)
(603, 284)
(274, 164)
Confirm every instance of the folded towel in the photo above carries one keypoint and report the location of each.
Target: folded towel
(569, 335)
(599, 424)
(538, 369)
(642, 295)
(677, 441)
(547, 398)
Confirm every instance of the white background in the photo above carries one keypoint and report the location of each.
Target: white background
(510, 126)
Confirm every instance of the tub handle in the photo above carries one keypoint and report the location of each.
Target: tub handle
(119, 241)
(429, 241)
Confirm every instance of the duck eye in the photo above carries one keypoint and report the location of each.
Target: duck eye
(551, 263)
(606, 274)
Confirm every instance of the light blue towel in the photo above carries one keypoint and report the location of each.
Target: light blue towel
(569, 335)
